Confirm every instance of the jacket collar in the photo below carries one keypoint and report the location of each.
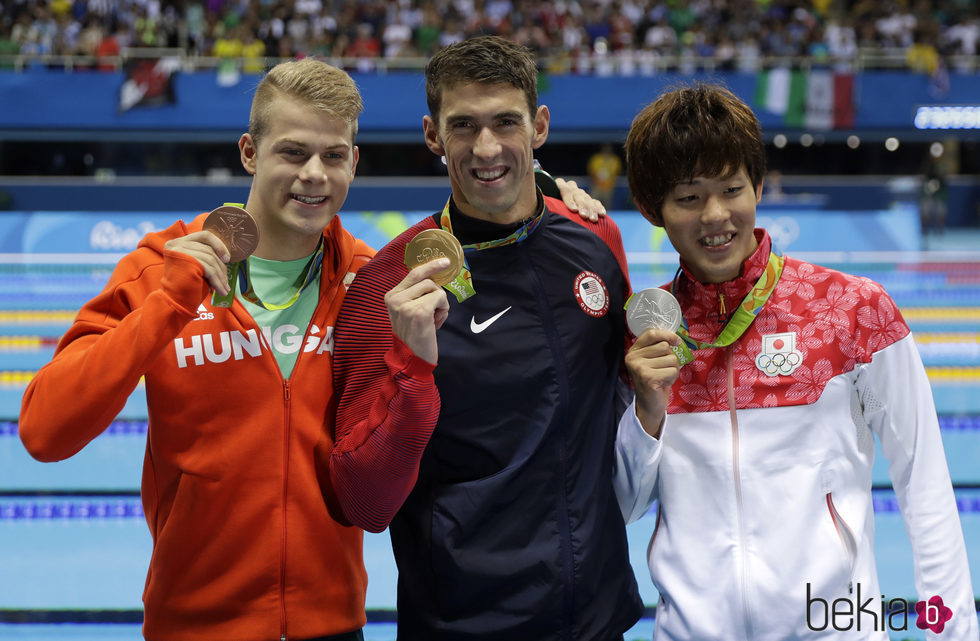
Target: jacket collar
(342, 253)
(470, 230)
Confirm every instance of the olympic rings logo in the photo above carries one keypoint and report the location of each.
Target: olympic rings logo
(591, 293)
(779, 363)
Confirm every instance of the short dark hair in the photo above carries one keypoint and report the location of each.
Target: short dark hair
(485, 60)
(703, 129)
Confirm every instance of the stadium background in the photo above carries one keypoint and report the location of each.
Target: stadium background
(90, 160)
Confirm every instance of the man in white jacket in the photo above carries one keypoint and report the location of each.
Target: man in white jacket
(759, 448)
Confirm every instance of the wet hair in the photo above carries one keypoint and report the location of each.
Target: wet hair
(698, 130)
(485, 60)
(322, 86)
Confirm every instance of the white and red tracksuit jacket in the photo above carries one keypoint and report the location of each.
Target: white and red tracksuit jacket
(764, 477)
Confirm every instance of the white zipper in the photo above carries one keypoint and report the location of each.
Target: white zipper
(737, 482)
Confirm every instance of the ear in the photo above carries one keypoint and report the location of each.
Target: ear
(654, 217)
(542, 120)
(432, 141)
(246, 148)
(758, 191)
(354, 159)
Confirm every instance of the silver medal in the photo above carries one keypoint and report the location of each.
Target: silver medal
(653, 307)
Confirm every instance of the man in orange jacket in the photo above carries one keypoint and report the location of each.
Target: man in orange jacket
(243, 546)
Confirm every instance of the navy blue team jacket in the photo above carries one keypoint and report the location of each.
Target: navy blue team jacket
(513, 531)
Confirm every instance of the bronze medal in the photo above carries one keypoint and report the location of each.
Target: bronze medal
(653, 307)
(431, 244)
(236, 229)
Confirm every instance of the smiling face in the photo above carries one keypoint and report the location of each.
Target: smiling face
(302, 167)
(710, 222)
(488, 137)
(682, 152)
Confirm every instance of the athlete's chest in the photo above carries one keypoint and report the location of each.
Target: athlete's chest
(533, 306)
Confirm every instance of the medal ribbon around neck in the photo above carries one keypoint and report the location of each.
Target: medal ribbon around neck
(462, 286)
(302, 282)
(239, 272)
(746, 312)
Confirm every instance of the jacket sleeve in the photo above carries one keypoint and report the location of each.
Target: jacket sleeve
(110, 345)
(637, 465)
(898, 405)
(388, 403)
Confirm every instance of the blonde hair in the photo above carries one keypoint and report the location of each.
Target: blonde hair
(324, 87)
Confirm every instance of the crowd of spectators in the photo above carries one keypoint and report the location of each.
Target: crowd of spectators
(604, 36)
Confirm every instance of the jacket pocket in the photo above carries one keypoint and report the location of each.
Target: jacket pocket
(653, 537)
(848, 542)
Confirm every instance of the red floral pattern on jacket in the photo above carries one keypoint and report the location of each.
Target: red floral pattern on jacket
(838, 320)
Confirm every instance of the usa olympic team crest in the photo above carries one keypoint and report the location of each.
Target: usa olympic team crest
(591, 294)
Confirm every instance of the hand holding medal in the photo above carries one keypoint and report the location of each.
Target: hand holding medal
(430, 244)
(236, 229)
(658, 309)
(417, 306)
(240, 235)
(651, 360)
(652, 307)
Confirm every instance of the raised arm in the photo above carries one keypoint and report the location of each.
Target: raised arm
(384, 355)
(653, 368)
(109, 347)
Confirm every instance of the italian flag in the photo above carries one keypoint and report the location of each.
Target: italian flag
(817, 99)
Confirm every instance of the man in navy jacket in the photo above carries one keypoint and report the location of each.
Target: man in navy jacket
(481, 425)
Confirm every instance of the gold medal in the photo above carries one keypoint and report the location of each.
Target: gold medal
(236, 229)
(431, 244)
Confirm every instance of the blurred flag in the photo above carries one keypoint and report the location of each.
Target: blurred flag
(818, 99)
(228, 73)
(773, 90)
(148, 83)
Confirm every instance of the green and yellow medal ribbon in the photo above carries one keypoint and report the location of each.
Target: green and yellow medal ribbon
(746, 312)
(462, 286)
(238, 273)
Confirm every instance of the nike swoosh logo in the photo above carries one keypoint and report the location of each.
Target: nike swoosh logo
(476, 327)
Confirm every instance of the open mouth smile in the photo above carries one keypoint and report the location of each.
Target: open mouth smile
(489, 175)
(717, 240)
(308, 200)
